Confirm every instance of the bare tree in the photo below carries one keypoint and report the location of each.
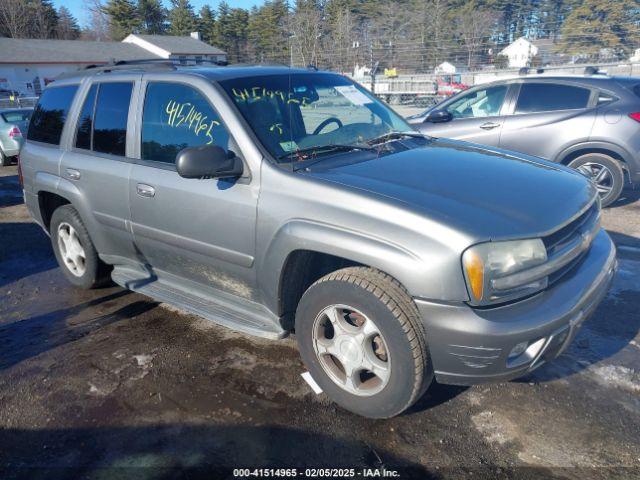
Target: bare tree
(305, 25)
(98, 24)
(474, 27)
(14, 18)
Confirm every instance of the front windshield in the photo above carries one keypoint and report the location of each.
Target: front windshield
(290, 113)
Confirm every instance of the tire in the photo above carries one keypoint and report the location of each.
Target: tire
(94, 273)
(4, 160)
(369, 295)
(593, 164)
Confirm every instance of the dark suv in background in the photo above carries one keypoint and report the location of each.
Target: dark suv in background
(588, 122)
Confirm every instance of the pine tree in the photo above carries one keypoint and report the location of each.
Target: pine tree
(207, 25)
(67, 28)
(595, 25)
(123, 18)
(152, 16)
(43, 19)
(182, 19)
(268, 34)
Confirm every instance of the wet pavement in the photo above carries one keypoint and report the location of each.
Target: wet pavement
(109, 384)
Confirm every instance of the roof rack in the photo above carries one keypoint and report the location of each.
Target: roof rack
(526, 71)
(170, 62)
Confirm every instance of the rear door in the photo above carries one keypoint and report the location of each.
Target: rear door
(477, 116)
(547, 117)
(98, 163)
(201, 230)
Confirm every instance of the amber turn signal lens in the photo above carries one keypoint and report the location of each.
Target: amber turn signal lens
(474, 267)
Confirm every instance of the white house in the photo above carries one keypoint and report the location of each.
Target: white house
(27, 65)
(445, 68)
(520, 53)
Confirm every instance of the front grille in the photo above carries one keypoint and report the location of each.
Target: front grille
(571, 234)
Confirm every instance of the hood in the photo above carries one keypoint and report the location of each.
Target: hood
(486, 193)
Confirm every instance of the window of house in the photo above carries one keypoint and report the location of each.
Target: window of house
(547, 97)
(177, 116)
(50, 114)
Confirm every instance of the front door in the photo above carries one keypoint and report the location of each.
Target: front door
(476, 117)
(201, 230)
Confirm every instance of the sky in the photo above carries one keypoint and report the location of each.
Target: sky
(77, 7)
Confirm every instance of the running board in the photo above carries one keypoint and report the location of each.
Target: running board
(243, 316)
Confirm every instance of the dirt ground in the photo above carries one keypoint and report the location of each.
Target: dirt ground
(109, 384)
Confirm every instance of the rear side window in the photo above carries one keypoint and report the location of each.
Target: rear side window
(102, 126)
(110, 118)
(16, 116)
(50, 114)
(175, 117)
(547, 97)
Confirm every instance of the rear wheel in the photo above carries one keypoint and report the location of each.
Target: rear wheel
(362, 339)
(74, 250)
(605, 171)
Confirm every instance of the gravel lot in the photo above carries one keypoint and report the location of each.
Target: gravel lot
(108, 384)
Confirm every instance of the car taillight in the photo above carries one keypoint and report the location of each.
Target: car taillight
(15, 132)
(20, 179)
(635, 116)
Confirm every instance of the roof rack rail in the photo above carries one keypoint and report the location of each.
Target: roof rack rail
(167, 62)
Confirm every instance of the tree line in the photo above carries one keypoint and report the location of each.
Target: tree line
(412, 35)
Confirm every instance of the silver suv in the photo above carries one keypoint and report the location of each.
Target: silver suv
(275, 200)
(588, 122)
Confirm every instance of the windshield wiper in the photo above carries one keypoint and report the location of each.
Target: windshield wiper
(393, 136)
(326, 149)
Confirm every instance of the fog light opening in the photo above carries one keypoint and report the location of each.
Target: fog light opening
(525, 352)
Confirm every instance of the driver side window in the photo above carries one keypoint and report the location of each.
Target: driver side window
(485, 102)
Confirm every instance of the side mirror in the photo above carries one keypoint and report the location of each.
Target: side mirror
(438, 116)
(208, 161)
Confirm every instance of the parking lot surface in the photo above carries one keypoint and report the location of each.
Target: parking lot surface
(109, 384)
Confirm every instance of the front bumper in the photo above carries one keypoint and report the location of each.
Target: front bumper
(470, 346)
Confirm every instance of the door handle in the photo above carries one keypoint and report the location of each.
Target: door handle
(489, 126)
(145, 190)
(73, 174)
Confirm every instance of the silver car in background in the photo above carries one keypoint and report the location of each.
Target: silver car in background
(13, 123)
(588, 122)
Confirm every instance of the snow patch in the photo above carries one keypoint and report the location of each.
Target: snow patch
(619, 376)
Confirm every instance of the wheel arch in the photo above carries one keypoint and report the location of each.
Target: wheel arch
(303, 251)
(610, 149)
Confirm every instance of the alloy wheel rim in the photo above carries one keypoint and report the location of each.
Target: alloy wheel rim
(71, 250)
(599, 174)
(351, 350)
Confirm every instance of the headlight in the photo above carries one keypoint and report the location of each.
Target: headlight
(489, 270)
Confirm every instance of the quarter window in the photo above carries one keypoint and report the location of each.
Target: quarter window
(175, 117)
(50, 114)
(547, 97)
(485, 102)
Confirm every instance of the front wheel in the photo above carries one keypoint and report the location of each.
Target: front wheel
(4, 160)
(362, 339)
(605, 171)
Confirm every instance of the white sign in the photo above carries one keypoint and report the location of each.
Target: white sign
(355, 96)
